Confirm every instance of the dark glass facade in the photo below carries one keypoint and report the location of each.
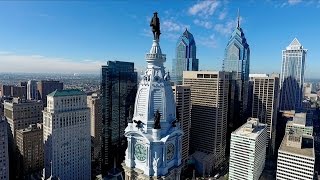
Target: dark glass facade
(292, 76)
(118, 91)
(237, 61)
(186, 59)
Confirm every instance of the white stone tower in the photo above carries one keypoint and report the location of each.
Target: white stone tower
(154, 144)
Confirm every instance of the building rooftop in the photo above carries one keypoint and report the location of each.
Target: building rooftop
(66, 92)
(17, 100)
(305, 148)
(258, 75)
(300, 119)
(251, 129)
(31, 127)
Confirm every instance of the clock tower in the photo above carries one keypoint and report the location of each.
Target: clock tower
(154, 135)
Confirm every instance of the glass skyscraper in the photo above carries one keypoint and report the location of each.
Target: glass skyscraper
(237, 55)
(237, 61)
(186, 59)
(292, 76)
(118, 91)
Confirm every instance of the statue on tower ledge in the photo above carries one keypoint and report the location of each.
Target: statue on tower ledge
(157, 120)
(155, 24)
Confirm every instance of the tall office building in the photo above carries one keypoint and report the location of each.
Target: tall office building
(30, 145)
(118, 90)
(19, 91)
(248, 150)
(5, 90)
(292, 76)
(296, 155)
(94, 103)
(186, 57)
(48, 86)
(209, 99)
(14, 91)
(66, 135)
(237, 61)
(154, 135)
(182, 96)
(32, 90)
(21, 113)
(265, 104)
(4, 155)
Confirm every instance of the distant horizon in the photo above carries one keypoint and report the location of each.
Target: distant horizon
(79, 37)
(98, 73)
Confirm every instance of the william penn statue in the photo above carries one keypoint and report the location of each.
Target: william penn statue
(155, 25)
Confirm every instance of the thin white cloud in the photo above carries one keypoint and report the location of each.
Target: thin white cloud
(172, 29)
(226, 28)
(203, 23)
(204, 8)
(294, 2)
(171, 26)
(11, 62)
(222, 15)
(207, 41)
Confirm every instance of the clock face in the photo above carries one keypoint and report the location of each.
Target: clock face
(170, 151)
(140, 152)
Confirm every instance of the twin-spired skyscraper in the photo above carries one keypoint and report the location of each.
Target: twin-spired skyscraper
(186, 57)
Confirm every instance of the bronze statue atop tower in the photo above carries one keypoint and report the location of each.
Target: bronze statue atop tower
(155, 24)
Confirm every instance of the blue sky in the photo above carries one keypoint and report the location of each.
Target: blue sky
(80, 36)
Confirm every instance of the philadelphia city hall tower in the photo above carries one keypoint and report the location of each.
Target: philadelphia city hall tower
(154, 135)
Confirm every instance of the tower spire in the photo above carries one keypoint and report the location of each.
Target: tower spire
(238, 26)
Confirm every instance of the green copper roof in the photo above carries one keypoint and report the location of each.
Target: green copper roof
(67, 92)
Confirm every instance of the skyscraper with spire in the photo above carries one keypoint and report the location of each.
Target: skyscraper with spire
(292, 76)
(186, 57)
(237, 61)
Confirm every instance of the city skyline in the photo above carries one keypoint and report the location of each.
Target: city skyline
(71, 46)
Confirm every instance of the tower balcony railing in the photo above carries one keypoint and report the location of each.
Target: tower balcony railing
(155, 56)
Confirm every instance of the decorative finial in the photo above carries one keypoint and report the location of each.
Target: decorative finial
(238, 26)
(155, 24)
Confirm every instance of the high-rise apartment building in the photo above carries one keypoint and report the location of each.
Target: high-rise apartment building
(237, 61)
(209, 99)
(265, 104)
(292, 76)
(186, 57)
(66, 135)
(182, 96)
(118, 90)
(48, 86)
(30, 145)
(4, 148)
(94, 104)
(32, 90)
(248, 150)
(296, 155)
(21, 113)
